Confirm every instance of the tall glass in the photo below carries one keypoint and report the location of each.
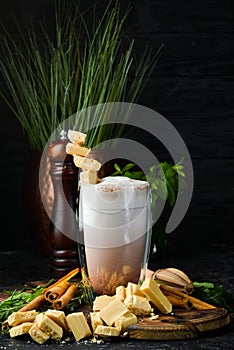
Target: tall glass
(114, 232)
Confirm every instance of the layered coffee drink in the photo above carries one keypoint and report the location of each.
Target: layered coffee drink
(114, 230)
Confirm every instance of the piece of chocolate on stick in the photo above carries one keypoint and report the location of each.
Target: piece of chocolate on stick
(76, 137)
(88, 177)
(77, 149)
(86, 163)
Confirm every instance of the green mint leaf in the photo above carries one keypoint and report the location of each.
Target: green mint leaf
(128, 166)
(162, 189)
(208, 285)
(215, 295)
(138, 175)
(115, 173)
(117, 167)
(128, 174)
(171, 196)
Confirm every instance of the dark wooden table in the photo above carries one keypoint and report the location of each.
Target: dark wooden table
(214, 264)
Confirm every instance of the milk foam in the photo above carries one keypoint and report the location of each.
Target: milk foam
(115, 193)
(115, 211)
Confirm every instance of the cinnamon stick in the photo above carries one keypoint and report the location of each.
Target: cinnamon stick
(65, 298)
(177, 301)
(5, 326)
(55, 292)
(64, 278)
(34, 304)
(196, 303)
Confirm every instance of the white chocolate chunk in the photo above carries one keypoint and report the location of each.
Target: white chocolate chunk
(78, 325)
(21, 316)
(133, 289)
(101, 302)
(77, 149)
(105, 331)
(38, 335)
(22, 328)
(86, 163)
(124, 321)
(95, 320)
(112, 311)
(138, 305)
(48, 326)
(152, 291)
(88, 177)
(76, 137)
(58, 317)
(120, 293)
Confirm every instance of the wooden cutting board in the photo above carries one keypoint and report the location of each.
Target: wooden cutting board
(180, 325)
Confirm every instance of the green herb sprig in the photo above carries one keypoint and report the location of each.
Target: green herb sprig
(17, 300)
(163, 179)
(125, 171)
(213, 294)
(81, 298)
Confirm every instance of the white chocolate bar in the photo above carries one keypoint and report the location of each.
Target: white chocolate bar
(58, 317)
(106, 331)
(78, 325)
(22, 328)
(21, 316)
(120, 293)
(152, 291)
(38, 335)
(102, 301)
(95, 320)
(112, 311)
(48, 326)
(124, 321)
(133, 289)
(138, 305)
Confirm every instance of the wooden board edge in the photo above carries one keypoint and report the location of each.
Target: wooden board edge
(187, 329)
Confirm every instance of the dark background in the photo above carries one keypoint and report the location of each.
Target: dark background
(192, 86)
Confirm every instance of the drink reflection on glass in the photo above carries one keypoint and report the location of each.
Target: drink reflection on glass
(114, 232)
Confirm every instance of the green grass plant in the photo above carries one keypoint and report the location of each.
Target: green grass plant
(48, 76)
